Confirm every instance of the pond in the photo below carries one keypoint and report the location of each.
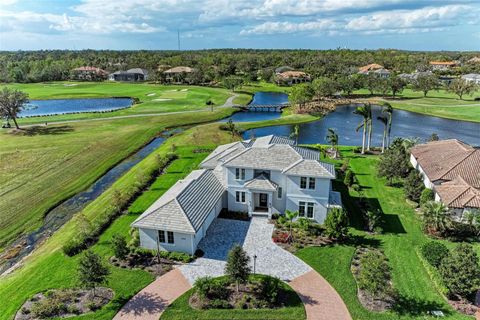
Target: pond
(405, 124)
(60, 214)
(260, 98)
(63, 106)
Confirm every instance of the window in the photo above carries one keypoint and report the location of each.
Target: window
(239, 174)
(311, 183)
(306, 209)
(303, 182)
(240, 196)
(161, 236)
(259, 172)
(279, 192)
(170, 237)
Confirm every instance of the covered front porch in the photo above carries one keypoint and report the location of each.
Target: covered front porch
(260, 196)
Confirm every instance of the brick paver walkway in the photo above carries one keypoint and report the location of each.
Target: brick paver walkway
(321, 300)
(150, 303)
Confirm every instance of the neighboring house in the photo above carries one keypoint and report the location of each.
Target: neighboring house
(178, 74)
(472, 77)
(410, 77)
(451, 169)
(259, 177)
(291, 77)
(135, 74)
(374, 68)
(442, 65)
(89, 73)
(474, 60)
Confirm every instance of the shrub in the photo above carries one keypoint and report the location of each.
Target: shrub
(206, 287)
(434, 252)
(426, 196)
(414, 186)
(336, 224)
(219, 304)
(120, 248)
(282, 220)
(48, 308)
(374, 273)
(202, 286)
(460, 271)
(304, 223)
(72, 247)
(269, 288)
(92, 271)
(374, 219)
(135, 240)
(349, 178)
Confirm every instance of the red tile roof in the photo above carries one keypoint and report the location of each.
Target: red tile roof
(458, 194)
(370, 67)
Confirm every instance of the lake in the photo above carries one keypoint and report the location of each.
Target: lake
(260, 98)
(405, 124)
(63, 106)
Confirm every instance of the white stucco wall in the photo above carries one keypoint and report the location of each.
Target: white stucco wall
(428, 184)
(183, 241)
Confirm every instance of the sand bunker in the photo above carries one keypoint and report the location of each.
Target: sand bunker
(162, 99)
(184, 90)
(151, 94)
(70, 85)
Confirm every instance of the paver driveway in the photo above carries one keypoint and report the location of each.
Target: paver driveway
(255, 237)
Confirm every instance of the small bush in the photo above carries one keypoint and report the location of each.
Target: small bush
(120, 247)
(414, 186)
(219, 304)
(426, 196)
(336, 224)
(282, 220)
(304, 223)
(434, 252)
(72, 247)
(270, 287)
(374, 273)
(349, 178)
(48, 308)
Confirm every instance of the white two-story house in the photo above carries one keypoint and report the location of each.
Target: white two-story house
(260, 177)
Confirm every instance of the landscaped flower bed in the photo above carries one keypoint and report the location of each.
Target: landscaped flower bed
(64, 303)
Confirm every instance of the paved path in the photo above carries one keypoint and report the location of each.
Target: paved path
(228, 104)
(150, 303)
(255, 237)
(321, 300)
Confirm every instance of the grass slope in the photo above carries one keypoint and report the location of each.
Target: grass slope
(39, 170)
(400, 241)
(49, 268)
(180, 98)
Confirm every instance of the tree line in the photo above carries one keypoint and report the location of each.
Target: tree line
(215, 64)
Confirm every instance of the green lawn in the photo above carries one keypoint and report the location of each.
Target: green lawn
(180, 308)
(49, 268)
(153, 98)
(40, 170)
(437, 103)
(401, 240)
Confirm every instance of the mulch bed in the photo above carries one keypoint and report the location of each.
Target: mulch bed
(301, 239)
(464, 306)
(64, 303)
(150, 264)
(368, 301)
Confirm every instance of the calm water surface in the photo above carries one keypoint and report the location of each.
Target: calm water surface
(260, 98)
(62, 106)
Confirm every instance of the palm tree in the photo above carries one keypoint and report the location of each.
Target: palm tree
(365, 111)
(436, 217)
(295, 133)
(388, 110)
(332, 138)
(383, 119)
(290, 216)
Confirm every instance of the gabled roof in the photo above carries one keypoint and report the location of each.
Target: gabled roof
(313, 168)
(283, 69)
(370, 67)
(443, 63)
(271, 139)
(261, 183)
(293, 74)
(447, 159)
(138, 70)
(185, 206)
(179, 69)
(458, 194)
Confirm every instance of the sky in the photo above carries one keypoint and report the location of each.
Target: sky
(205, 24)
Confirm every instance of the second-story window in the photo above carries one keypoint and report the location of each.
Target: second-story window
(239, 174)
(311, 183)
(303, 182)
(279, 192)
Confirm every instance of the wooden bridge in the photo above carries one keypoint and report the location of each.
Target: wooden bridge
(263, 107)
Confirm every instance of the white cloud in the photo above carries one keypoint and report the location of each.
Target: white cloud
(288, 27)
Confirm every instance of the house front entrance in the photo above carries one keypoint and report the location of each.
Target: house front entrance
(263, 201)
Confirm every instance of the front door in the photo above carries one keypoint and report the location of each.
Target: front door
(263, 200)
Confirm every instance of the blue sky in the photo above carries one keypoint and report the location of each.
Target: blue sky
(312, 24)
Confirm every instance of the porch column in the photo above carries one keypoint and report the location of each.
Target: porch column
(269, 198)
(250, 202)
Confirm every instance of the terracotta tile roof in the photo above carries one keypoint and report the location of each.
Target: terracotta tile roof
(370, 67)
(458, 194)
(443, 63)
(94, 69)
(474, 60)
(293, 74)
(446, 159)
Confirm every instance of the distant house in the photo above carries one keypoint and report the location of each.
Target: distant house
(283, 69)
(178, 74)
(451, 169)
(258, 177)
(410, 77)
(474, 60)
(135, 74)
(443, 65)
(291, 77)
(87, 73)
(472, 77)
(374, 68)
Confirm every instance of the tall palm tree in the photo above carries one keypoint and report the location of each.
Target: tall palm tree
(365, 111)
(436, 217)
(332, 138)
(383, 119)
(295, 133)
(388, 110)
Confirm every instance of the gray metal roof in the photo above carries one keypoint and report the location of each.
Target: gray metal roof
(185, 206)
